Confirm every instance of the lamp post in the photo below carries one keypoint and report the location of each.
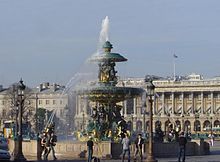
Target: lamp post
(83, 115)
(19, 157)
(211, 126)
(183, 124)
(150, 93)
(132, 123)
(144, 119)
(195, 124)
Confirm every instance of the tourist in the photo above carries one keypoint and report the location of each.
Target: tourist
(211, 137)
(90, 149)
(40, 146)
(138, 143)
(126, 147)
(182, 147)
(52, 143)
(44, 145)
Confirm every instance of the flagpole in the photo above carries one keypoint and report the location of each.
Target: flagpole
(174, 69)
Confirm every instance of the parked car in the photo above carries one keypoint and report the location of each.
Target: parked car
(4, 155)
(3, 143)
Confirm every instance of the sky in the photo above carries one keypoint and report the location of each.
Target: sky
(49, 40)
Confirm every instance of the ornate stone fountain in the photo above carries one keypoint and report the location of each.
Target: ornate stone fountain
(107, 122)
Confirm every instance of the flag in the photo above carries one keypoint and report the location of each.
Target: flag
(175, 56)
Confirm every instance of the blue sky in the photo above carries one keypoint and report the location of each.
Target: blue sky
(49, 40)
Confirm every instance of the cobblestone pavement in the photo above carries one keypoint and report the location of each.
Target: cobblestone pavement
(213, 157)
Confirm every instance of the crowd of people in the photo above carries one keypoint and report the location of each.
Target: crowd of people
(139, 142)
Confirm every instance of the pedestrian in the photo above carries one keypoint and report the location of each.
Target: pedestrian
(52, 144)
(40, 147)
(90, 149)
(138, 143)
(182, 147)
(44, 148)
(211, 137)
(126, 147)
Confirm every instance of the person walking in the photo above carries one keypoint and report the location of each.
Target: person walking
(138, 143)
(182, 147)
(52, 144)
(126, 147)
(90, 149)
(211, 137)
(44, 146)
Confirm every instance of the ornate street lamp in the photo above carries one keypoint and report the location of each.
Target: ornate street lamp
(19, 157)
(196, 125)
(132, 123)
(83, 121)
(183, 123)
(150, 94)
(211, 126)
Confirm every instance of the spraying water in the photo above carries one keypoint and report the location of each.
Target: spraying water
(88, 71)
(104, 34)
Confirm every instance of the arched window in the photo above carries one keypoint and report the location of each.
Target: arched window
(217, 123)
(157, 124)
(147, 126)
(207, 125)
(187, 126)
(168, 126)
(197, 126)
(139, 126)
(178, 125)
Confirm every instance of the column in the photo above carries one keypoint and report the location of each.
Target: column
(193, 108)
(212, 103)
(154, 106)
(135, 106)
(202, 103)
(173, 103)
(182, 96)
(163, 104)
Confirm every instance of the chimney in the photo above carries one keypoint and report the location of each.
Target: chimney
(46, 85)
(40, 87)
(54, 87)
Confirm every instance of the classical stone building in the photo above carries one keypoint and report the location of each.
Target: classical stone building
(191, 104)
(45, 96)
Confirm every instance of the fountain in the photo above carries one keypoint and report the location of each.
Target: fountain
(107, 122)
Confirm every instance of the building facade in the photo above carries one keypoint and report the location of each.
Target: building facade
(49, 97)
(191, 104)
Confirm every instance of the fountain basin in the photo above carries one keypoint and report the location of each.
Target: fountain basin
(108, 94)
(111, 57)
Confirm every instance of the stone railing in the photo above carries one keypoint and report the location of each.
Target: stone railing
(114, 150)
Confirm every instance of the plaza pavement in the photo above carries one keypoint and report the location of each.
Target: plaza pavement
(213, 157)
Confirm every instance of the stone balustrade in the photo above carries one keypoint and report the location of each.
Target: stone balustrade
(113, 150)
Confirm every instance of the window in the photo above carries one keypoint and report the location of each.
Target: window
(130, 106)
(54, 102)
(47, 102)
(4, 113)
(40, 102)
(61, 102)
(61, 112)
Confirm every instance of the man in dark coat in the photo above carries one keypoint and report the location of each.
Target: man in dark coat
(182, 147)
(90, 149)
(138, 143)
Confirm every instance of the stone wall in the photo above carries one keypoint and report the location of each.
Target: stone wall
(113, 150)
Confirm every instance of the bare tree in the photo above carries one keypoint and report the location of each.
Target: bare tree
(12, 99)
